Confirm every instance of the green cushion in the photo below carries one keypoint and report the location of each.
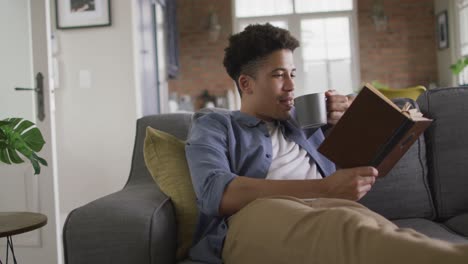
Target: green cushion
(165, 159)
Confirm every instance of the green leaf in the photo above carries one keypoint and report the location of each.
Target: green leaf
(4, 156)
(27, 152)
(42, 161)
(14, 121)
(36, 166)
(14, 157)
(3, 125)
(39, 159)
(458, 67)
(33, 138)
(379, 85)
(23, 125)
(4, 122)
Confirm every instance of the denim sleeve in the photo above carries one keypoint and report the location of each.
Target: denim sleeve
(207, 156)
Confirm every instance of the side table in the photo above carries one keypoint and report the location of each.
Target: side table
(14, 223)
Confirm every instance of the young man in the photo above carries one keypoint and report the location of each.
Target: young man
(255, 171)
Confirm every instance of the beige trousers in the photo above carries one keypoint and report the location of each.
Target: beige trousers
(288, 230)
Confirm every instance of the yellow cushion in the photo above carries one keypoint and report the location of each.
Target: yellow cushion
(410, 92)
(165, 159)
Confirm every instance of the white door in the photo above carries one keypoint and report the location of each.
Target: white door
(25, 52)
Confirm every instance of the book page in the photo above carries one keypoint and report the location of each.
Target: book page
(413, 113)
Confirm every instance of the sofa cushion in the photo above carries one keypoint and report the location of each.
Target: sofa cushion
(165, 158)
(459, 224)
(431, 229)
(404, 191)
(447, 145)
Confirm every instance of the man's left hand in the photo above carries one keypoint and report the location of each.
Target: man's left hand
(337, 104)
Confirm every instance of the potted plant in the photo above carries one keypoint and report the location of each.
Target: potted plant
(458, 67)
(20, 136)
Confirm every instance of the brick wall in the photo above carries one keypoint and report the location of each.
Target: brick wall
(402, 56)
(201, 61)
(405, 54)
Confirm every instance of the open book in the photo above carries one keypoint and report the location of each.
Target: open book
(373, 132)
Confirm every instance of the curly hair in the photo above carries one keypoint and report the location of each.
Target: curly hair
(247, 49)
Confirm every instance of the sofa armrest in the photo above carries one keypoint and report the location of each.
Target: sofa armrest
(134, 225)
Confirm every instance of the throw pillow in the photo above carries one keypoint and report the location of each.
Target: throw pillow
(165, 159)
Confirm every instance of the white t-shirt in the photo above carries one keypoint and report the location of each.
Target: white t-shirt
(289, 160)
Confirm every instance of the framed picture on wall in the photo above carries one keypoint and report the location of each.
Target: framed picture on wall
(442, 30)
(82, 13)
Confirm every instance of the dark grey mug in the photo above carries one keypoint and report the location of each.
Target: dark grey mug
(311, 110)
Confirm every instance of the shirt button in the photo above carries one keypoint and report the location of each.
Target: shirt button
(268, 155)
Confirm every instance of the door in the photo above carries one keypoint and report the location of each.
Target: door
(25, 52)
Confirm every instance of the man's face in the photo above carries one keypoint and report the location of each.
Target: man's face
(269, 95)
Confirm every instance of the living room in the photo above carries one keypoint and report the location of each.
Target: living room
(102, 84)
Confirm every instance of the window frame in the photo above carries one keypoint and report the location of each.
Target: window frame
(294, 26)
(462, 78)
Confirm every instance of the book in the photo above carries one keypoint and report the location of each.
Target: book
(374, 131)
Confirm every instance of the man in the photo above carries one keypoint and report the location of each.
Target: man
(255, 174)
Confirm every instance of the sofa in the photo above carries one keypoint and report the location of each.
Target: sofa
(427, 191)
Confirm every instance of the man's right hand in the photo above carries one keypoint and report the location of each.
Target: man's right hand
(351, 184)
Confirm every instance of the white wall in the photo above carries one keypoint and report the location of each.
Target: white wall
(96, 125)
(447, 57)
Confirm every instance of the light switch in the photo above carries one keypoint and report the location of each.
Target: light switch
(85, 79)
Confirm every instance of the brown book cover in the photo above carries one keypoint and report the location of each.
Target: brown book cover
(373, 132)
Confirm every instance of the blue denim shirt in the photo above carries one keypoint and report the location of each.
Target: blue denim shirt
(222, 146)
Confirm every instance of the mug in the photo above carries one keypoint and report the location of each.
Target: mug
(311, 110)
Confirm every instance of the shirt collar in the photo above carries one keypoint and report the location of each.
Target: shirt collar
(251, 121)
(248, 120)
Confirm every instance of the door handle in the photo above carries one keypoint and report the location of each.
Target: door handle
(26, 89)
(40, 95)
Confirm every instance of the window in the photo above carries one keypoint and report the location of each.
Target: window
(462, 8)
(249, 8)
(327, 57)
(307, 6)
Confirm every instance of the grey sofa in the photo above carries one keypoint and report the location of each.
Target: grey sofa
(427, 191)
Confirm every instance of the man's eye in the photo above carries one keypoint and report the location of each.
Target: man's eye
(293, 76)
(278, 75)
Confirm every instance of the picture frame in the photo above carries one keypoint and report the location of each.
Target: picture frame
(71, 14)
(442, 30)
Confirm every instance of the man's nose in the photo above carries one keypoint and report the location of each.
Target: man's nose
(289, 84)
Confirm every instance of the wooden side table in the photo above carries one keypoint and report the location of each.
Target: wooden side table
(14, 223)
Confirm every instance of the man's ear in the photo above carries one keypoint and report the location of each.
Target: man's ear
(245, 84)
